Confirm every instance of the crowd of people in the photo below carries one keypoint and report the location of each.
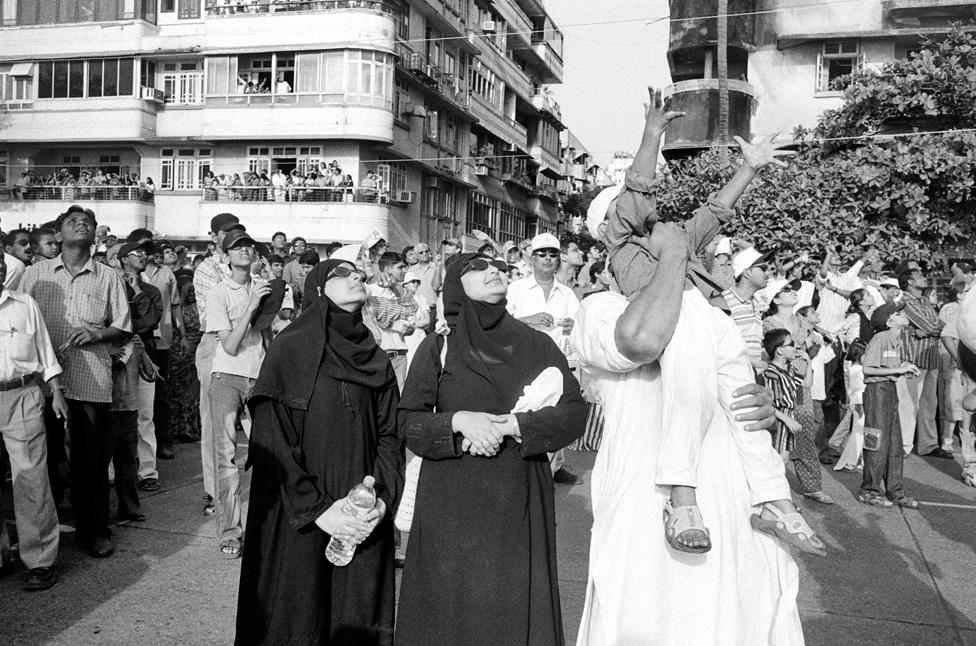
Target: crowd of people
(456, 380)
(324, 184)
(67, 184)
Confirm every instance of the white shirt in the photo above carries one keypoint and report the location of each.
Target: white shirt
(526, 297)
(226, 303)
(15, 269)
(390, 340)
(25, 345)
(833, 307)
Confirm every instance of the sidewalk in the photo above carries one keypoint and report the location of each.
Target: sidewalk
(892, 578)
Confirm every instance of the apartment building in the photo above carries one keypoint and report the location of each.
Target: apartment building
(422, 119)
(787, 59)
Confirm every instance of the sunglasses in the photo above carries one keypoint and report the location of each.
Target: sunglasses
(550, 253)
(344, 271)
(481, 264)
(786, 289)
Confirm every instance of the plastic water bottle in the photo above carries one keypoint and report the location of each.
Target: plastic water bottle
(359, 502)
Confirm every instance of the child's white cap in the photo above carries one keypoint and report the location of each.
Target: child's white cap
(597, 212)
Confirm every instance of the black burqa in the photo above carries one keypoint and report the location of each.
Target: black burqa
(324, 410)
(481, 561)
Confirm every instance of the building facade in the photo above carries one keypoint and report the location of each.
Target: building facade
(787, 59)
(423, 119)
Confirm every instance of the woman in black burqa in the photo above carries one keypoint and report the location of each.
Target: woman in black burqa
(324, 411)
(481, 561)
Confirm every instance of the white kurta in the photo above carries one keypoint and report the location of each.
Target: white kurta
(640, 591)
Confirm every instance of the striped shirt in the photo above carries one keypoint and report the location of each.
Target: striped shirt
(210, 273)
(747, 320)
(923, 352)
(784, 386)
(93, 299)
(833, 307)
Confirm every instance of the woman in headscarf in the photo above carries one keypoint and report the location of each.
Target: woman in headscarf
(481, 561)
(324, 410)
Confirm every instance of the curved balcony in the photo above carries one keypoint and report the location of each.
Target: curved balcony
(699, 128)
(120, 207)
(227, 8)
(102, 119)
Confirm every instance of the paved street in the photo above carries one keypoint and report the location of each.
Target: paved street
(893, 577)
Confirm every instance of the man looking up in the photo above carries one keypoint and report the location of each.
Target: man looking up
(210, 273)
(749, 269)
(570, 261)
(430, 278)
(86, 310)
(279, 244)
(292, 274)
(392, 311)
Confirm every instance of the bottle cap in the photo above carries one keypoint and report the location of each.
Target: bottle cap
(369, 481)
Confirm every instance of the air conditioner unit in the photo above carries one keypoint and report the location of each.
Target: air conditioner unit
(415, 110)
(488, 26)
(433, 182)
(404, 197)
(152, 94)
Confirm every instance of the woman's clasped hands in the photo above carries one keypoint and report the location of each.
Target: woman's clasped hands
(483, 432)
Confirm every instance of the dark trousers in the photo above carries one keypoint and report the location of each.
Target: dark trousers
(161, 420)
(88, 429)
(57, 459)
(121, 446)
(883, 468)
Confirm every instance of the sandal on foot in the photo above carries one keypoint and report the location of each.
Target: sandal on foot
(906, 502)
(791, 528)
(230, 550)
(678, 520)
(874, 500)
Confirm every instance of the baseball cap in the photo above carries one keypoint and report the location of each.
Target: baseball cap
(270, 305)
(880, 316)
(888, 281)
(745, 259)
(596, 213)
(724, 246)
(224, 222)
(411, 276)
(234, 237)
(545, 241)
(509, 245)
(129, 247)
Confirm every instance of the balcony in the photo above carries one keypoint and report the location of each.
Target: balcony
(699, 128)
(690, 29)
(123, 208)
(546, 104)
(67, 120)
(519, 26)
(548, 161)
(916, 13)
(227, 8)
(321, 194)
(445, 17)
(491, 119)
(544, 52)
(186, 216)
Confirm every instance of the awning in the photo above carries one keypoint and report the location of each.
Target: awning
(22, 69)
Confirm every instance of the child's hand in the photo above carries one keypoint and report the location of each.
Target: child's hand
(763, 151)
(657, 116)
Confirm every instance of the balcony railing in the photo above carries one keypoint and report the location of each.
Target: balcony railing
(244, 7)
(310, 194)
(79, 193)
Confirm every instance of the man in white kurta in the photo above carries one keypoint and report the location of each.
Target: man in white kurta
(743, 592)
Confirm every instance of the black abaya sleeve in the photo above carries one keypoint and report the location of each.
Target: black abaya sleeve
(549, 429)
(389, 466)
(278, 438)
(430, 435)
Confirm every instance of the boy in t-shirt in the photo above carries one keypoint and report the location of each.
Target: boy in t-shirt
(231, 305)
(705, 341)
(884, 363)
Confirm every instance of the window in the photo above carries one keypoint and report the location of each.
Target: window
(189, 9)
(184, 169)
(16, 85)
(401, 97)
(482, 81)
(110, 77)
(394, 176)
(432, 124)
(835, 62)
(68, 79)
(549, 137)
(267, 159)
(167, 6)
(47, 12)
(511, 223)
(481, 212)
(339, 77)
(403, 23)
(182, 83)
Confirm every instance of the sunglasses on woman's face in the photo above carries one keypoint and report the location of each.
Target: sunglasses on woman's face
(550, 253)
(345, 271)
(481, 264)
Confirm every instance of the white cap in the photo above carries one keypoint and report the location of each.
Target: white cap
(745, 259)
(724, 246)
(349, 253)
(545, 241)
(888, 281)
(597, 211)
(412, 275)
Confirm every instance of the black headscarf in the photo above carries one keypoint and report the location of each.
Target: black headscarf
(323, 332)
(488, 339)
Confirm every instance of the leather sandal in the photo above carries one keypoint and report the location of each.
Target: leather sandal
(678, 520)
(791, 528)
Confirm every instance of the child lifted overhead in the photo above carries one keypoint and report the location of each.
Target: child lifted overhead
(705, 361)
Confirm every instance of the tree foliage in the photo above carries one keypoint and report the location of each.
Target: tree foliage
(908, 196)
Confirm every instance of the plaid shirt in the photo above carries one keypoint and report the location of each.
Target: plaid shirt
(210, 273)
(94, 299)
(923, 352)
